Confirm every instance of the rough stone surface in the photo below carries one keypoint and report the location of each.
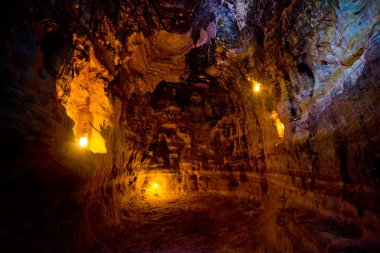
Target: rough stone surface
(166, 89)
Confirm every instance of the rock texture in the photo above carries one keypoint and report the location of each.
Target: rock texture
(165, 92)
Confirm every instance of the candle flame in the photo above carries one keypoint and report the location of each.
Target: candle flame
(83, 141)
(256, 86)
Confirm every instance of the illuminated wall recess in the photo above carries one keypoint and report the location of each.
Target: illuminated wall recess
(279, 126)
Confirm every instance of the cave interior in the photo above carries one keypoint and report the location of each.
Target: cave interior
(130, 126)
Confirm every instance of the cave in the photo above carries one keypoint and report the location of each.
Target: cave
(131, 126)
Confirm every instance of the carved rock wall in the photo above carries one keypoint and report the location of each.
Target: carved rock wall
(166, 90)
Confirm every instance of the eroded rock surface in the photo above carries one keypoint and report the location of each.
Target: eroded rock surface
(165, 93)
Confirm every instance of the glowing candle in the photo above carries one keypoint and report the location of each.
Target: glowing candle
(256, 87)
(83, 141)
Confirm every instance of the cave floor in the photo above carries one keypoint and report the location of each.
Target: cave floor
(202, 222)
(190, 223)
(196, 222)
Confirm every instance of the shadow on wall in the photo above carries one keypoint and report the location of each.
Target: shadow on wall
(53, 47)
(307, 80)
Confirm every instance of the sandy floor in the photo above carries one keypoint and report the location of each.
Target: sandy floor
(194, 223)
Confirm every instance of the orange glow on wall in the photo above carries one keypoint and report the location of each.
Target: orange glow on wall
(157, 185)
(280, 127)
(87, 99)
